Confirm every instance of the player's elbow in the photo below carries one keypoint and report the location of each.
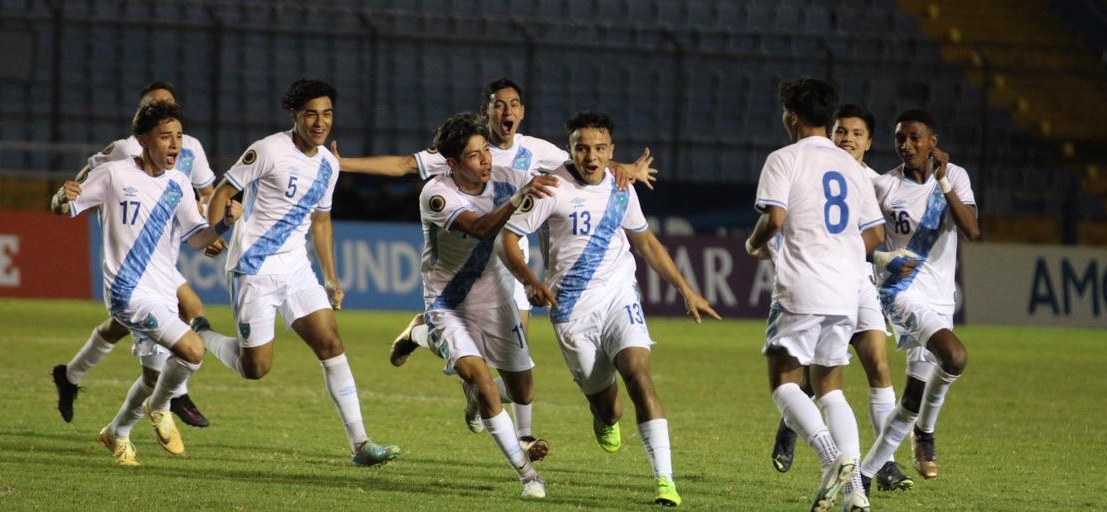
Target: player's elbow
(972, 234)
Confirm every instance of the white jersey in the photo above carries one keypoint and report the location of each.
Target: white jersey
(142, 220)
(459, 271)
(829, 201)
(526, 155)
(192, 160)
(281, 188)
(588, 252)
(916, 217)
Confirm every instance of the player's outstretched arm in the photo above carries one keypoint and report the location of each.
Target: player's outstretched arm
(489, 225)
(69, 191)
(638, 171)
(657, 257)
(231, 212)
(964, 216)
(768, 225)
(382, 165)
(322, 237)
(508, 249)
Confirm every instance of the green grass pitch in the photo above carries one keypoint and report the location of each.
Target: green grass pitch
(1023, 430)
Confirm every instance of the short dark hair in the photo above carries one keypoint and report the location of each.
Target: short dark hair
(590, 119)
(304, 90)
(498, 84)
(918, 115)
(855, 110)
(810, 99)
(451, 138)
(153, 114)
(156, 85)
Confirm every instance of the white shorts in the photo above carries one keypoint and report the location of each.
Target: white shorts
(870, 316)
(154, 324)
(493, 334)
(257, 299)
(914, 320)
(812, 339)
(590, 341)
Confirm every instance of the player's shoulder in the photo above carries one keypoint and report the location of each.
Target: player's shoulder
(530, 142)
(953, 170)
(191, 142)
(439, 184)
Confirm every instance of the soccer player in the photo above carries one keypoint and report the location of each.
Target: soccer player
(503, 110)
(193, 162)
(852, 131)
(288, 180)
(591, 288)
(472, 318)
(817, 197)
(146, 210)
(925, 201)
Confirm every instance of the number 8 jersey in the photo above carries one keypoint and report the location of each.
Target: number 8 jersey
(829, 201)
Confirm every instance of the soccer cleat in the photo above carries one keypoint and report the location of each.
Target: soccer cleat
(369, 454)
(607, 435)
(867, 484)
(403, 346)
(534, 487)
(666, 493)
(891, 478)
(922, 447)
(183, 407)
(67, 393)
(855, 502)
(164, 429)
(536, 449)
(120, 447)
(834, 477)
(200, 324)
(472, 411)
(784, 447)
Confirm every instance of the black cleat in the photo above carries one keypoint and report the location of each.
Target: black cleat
(891, 478)
(67, 393)
(784, 448)
(183, 407)
(200, 324)
(867, 484)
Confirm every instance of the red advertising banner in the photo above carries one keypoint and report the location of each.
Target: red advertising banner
(736, 284)
(43, 256)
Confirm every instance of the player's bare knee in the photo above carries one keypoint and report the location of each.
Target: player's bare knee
(255, 370)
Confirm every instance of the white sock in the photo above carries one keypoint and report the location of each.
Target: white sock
(225, 348)
(934, 395)
(175, 373)
(131, 410)
(181, 390)
(891, 436)
(802, 415)
(522, 418)
(502, 431)
(419, 335)
(340, 384)
(91, 353)
(655, 438)
(843, 428)
(882, 401)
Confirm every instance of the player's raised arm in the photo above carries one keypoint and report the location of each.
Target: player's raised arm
(638, 171)
(69, 191)
(964, 215)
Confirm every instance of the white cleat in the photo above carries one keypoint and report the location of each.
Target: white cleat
(534, 487)
(834, 478)
(856, 501)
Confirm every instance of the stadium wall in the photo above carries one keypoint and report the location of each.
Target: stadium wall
(46, 256)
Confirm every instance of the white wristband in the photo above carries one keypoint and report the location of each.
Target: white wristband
(750, 249)
(944, 185)
(516, 199)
